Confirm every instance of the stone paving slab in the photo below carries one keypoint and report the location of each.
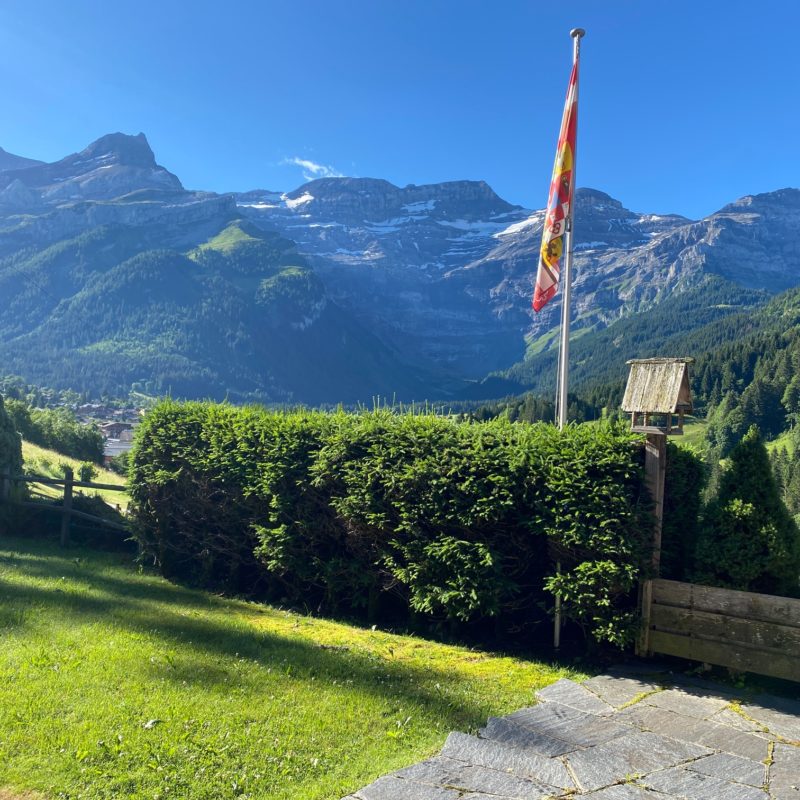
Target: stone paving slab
(700, 731)
(574, 695)
(635, 754)
(445, 772)
(523, 763)
(627, 791)
(544, 716)
(777, 715)
(504, 731)
(735, 720)
(569, 725)
(619, 736)
(619, 691)
(689, 785)
(689, 703)
(391, 787)
(731, 768)
(784, 772)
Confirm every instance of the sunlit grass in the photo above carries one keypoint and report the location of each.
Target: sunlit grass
(694, 433)
(783, 442)
(115, 683)
(41, 461)
(228, 239)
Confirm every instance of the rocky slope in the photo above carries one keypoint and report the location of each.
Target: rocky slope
(9, 161)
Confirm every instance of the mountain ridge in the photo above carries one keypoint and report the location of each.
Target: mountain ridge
(437, 278)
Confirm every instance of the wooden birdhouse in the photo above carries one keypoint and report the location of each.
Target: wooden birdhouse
(657, 391)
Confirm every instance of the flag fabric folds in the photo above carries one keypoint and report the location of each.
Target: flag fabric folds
(559, 202)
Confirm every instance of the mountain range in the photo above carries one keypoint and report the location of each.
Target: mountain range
(113, 275)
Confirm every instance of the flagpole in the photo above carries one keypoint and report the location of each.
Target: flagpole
(563, 350)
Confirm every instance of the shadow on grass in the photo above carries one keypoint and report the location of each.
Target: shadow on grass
(172, 614)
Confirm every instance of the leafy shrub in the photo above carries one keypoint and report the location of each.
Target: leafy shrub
(87, 471)
(120, 463)
(375, 512)
(10, 445)
(57, 429)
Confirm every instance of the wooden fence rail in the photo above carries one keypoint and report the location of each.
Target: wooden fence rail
(742, 630)
(65, 508)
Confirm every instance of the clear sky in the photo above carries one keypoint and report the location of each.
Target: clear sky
(684, 106)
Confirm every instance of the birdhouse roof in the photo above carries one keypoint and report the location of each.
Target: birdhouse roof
(658, 385)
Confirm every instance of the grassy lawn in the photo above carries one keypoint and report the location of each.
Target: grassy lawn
(41, 461)
(115, 683)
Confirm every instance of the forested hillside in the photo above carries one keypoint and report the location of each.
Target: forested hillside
(718, 309)
(241, 315)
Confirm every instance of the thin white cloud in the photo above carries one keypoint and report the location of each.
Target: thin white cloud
(312, 170)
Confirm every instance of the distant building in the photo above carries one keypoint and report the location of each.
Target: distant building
(114, 447)
(114, 430)
(92, 410)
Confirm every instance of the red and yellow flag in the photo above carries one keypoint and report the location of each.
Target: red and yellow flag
(562, 188)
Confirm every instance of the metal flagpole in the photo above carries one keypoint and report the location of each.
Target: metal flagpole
(563, 350)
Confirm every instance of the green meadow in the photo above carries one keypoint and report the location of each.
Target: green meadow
(115, 683)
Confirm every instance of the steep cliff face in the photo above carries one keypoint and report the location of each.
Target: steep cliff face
(446, 271)
(176, 220)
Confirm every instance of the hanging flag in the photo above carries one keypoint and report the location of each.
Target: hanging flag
(559, 202)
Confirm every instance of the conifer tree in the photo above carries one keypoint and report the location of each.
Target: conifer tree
(750, 540)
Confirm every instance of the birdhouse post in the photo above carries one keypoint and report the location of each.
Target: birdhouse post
(657, 391)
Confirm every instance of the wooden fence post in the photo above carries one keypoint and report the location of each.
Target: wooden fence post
(655, 470)
(66, 506)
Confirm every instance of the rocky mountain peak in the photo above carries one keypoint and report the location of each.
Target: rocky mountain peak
(787, 198)
(594, 198)
(372, 199)
(332, 188)
(121, 148)
(112, 166)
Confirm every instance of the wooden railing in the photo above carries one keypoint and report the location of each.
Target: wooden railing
(742, 630)
(65, 508)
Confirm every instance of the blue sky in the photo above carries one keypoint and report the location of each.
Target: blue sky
(684, 106)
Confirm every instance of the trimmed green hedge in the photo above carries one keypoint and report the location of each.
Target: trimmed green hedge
(396, 515)
(10, 451)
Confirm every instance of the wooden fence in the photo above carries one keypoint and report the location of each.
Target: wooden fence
(65, 509)
(742, 630)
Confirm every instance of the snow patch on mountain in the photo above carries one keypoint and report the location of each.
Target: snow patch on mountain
(297, 201)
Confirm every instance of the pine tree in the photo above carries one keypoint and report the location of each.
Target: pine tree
(749, 540)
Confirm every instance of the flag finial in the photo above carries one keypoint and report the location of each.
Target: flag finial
(577, 33)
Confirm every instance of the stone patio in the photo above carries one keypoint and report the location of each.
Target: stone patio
(618, 736)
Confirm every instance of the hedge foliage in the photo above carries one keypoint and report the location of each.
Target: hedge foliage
(10, 444)
(10, 461)
(686, 479)
(396, 516)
